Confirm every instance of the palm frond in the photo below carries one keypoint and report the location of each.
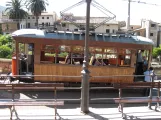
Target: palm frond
(15, 11)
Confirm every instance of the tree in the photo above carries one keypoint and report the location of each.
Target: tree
(15, 11)
(157, 51)
(1, 29)
(6, 44)
(37, 7)
(5, 51)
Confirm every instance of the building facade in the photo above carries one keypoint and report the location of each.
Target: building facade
(149, 29)
(7, 25)
(79, 23)
(44, 20)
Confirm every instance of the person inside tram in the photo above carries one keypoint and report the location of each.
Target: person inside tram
(97, 62)
(23, 62)
(68, 59)
(145, 63)
(140, 62)
(81, 59)
(92, 60)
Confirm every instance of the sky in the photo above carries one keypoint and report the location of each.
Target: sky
(117, 7)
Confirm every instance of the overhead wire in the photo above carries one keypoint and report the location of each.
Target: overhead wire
(103, 8)
(77, 4)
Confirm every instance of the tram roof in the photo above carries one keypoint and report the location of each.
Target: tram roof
(120, 38)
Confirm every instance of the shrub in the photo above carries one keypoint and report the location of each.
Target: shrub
(5, 51)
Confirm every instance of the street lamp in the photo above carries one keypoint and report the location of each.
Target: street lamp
(85, 72)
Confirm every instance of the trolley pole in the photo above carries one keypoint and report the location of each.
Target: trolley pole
(128, 19)
(85, 72)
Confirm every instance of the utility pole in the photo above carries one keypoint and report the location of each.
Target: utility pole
(128, 19)
(85, 72)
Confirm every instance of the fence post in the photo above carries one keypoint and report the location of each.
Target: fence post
(55, 97)
(157, 105)
(150, 92)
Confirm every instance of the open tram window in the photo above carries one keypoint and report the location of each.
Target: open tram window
(48, 53)
(78, 49)
(124, 57)
(111, 56)
(112, 59)
(98, 50)
(110, 50)
(21, 47)
(78, 58)
(91, 49)
(64, 54)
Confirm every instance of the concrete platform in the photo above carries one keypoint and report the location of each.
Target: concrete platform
(47, 113)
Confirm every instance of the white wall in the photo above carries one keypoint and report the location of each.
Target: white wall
(23, 24)
(44, 18)
(111, 27)
(149, 29)
(101, 29)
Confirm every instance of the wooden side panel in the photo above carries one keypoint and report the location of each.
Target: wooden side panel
(37, 53)
(133, 58)
(71, 70)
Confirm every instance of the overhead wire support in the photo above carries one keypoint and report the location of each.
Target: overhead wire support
(95, 4)
(140, 2)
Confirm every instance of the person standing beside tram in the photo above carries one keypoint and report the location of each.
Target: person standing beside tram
(148, 78)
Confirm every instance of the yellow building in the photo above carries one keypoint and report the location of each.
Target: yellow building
(141, 32)
(8, 26)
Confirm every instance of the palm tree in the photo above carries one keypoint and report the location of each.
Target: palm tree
(15, 11)
(37, 7)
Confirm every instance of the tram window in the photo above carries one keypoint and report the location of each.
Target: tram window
(110, 50)
(98, 49)
(21, 47)
(124, 51)
(47, 53)
(96, 60)
(112, 59)
(64, 48)
(78, 58)
(78, 49)
(63, 53)
(91, 49)
(124, 60)
(48, 48)
(127, 60)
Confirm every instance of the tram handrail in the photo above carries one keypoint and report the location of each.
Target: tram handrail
(67, 76)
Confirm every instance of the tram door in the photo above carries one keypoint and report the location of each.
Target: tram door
(26, 60)
(142, 58)
(31, 58)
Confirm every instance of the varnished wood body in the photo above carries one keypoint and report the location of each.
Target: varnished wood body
(74, 70)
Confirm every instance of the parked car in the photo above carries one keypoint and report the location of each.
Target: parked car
(155, 65)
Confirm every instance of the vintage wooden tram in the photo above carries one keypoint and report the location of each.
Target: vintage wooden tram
(61, 53)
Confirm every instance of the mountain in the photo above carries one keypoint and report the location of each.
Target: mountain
(2, 8)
